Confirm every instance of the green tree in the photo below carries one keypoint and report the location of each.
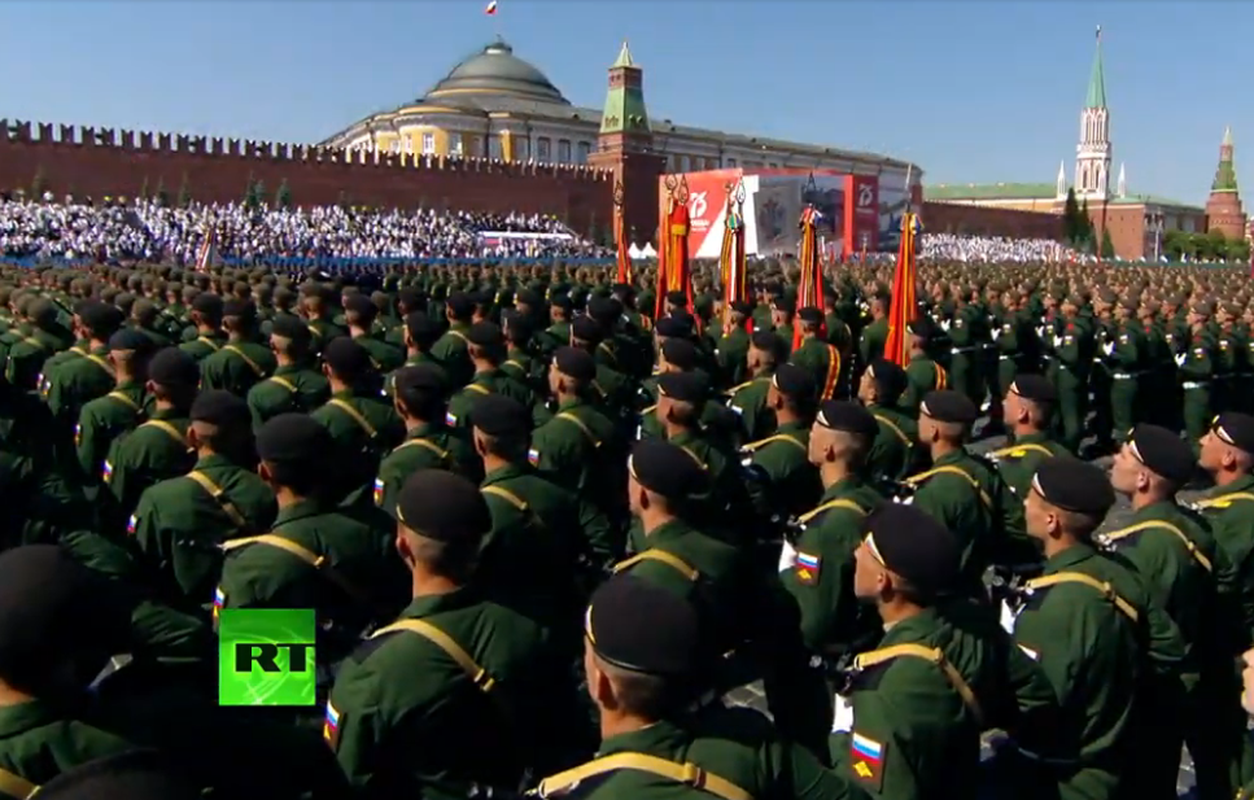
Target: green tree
(1239, 250)
(1072, 224)
(1218, 244)
(1084, 229)
(1108, 245)
(39, 184)
(1174, 244)
(1200, 247)
(259, 193)
(143, 189)
(161, 195)
(283, 197)
(185, 193)
(249, 188)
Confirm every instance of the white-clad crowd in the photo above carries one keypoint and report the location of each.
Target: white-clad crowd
(994, 249)
(151, 231)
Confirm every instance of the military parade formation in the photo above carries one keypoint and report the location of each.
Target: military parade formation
(552, 524)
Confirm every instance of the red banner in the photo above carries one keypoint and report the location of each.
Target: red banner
(862, 214)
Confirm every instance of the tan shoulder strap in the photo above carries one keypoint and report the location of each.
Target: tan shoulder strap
(779, 437)
(100, 362)
(428, 445)
(895, 428)
(230, 348)
(35, 343)
(840, 502)
(16, 786)
(1104, 588)
(214, 346)
(515, 364)
(125, 400)
(219, 496)
(318, 562)
(284, 382)
(686, 773)
(1025, 448)
(442, 640)
(950, 469)
(459, 335)
(478, 388)
(506, 495)
(1157, 524)
(644, 412)
(570, 417)
(932, 655)
(732, 391)
(1224, 500)
(362, 422)
(167, 429)
(661, 556)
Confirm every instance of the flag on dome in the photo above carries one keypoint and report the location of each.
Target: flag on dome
(491, 9)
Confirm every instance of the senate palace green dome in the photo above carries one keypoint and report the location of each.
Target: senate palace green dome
(496, 70)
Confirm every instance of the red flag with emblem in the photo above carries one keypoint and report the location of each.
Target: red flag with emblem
(903, 308)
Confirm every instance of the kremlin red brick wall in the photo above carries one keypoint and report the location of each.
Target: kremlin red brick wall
(84, 161)
(967, 220)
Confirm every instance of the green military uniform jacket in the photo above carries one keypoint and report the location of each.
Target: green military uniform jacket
(364, 430)
(38, 742)
(874, 337)
(452, 351)
(180, 522)
(520, 366)
(237, 367)
(384, 356)
(428, 446)
(492, 381)
(406, 719)
(76, 381)
(27, 357)
(736, 746)
(823, 362)
(324, 331)
(101, 422)
(731, 354)
(923, 375)
(894, 451)
(1230, 512)
(950, 492)
(1088, 640)
(204, 345)
(748, 400)
(1017, 462)
(817, 570)
(565, 449)
(779, 477)
(292, 388)
(155, 451)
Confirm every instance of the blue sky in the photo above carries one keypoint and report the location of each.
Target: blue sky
(974, 92)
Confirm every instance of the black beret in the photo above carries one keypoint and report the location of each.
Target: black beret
(674, 327)
(424, 330)
(361, 305)
(1163, 451)
(784, 304)
(687, 387)
(586, 329)
(794, 382)
(129, 775)
(529, 297)
(921, 327)
(498, 415)
(767, 341)
(624, 288)
(485, 334)
(810, 314)
(947, 405)
(293, 439)
(420, 377)
(42, 312)
(604, 309)
(1034, 387)
(460, 304)
(239, 308)
(561, 301)
(743, 307)
(220, 407)
(290, 326)
(680, 353)
(208, 303)
(411, 297)
(677, 298)
(1236, 429)
(483, 297)
(346, 358)
(1073, 485)
(575, 362)
(131, 339)
(842, 415)
(102, 318)
(172, 367)
(890, 379)
(636, 625)
(914, 545)
(440, 505)
(668, 470)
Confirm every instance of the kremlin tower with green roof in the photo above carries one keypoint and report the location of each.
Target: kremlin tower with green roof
(1223, 207)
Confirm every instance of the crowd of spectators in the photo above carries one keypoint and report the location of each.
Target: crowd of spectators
(149, 230)
(994, 249)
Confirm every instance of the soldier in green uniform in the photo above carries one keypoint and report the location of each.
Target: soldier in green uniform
(614, 391)
(47, 336)
(456, 676)
(1029, 408)
(106, 418)
(157, 449)
(452, 349)
(1086, 636)
(817, 567)
(486, 351)
(1227, 455)
(1016, 345)
(910, 727)
(418, 396)
(1071, 346)
(966, 355)
(360, 313)
(820, 358)
(1101, 400)
(733, 346)
(314, 556)
(206, 317)
(180, 522)
(561, 311)
(146, 318)
(1126, 354)
(894, 450)
(81, 379)
(243, 361)
(295, 386)
(363, 427)
(645, 663)
(780, 479)
(1195, 363)
(568, 448)
(519, 363)
(748, 399)
(1175, 553)
(923, 375)
(317, 304)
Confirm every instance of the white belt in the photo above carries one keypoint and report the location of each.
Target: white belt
(1195, 384)
(1003, 358)
(1125, 376)
(960, 350)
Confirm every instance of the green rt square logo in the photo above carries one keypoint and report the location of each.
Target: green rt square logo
(266, 657)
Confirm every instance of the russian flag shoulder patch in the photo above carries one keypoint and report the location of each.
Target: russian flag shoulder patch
(866, 760)
(331, 726)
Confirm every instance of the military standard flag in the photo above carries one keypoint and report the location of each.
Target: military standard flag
(904, 307)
